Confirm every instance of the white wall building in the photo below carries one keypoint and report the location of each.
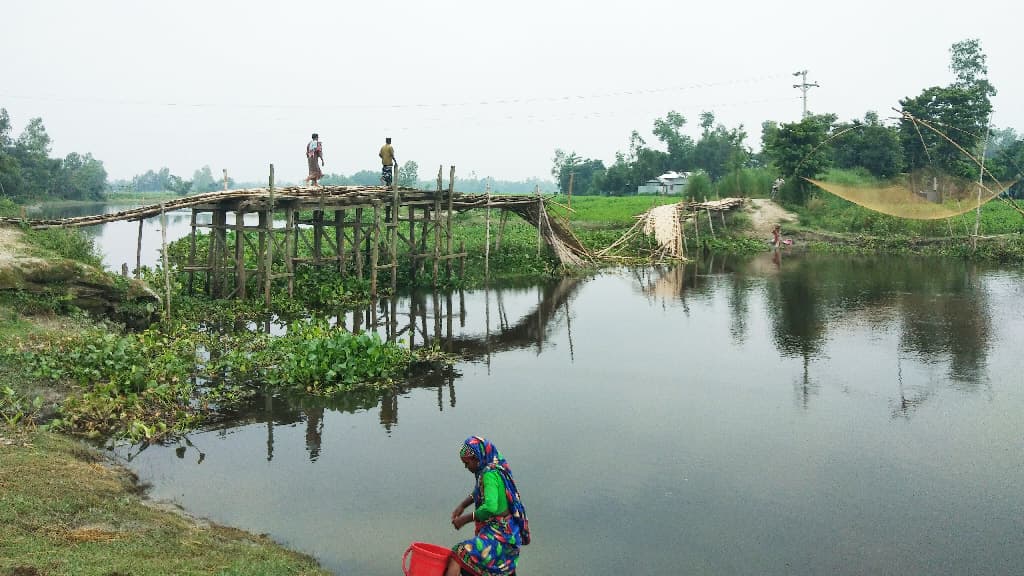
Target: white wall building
(669, 183)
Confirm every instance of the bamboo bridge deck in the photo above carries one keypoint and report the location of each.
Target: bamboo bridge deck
(355, 229)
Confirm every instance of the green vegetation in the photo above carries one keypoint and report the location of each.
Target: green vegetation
(64, 513)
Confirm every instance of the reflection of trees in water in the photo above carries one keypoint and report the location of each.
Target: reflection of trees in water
(942, 313)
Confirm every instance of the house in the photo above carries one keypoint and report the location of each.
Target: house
(669, 183)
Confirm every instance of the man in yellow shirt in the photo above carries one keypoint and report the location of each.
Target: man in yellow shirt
(388, 160)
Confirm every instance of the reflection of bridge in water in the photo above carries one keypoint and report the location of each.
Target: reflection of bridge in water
(428, 320)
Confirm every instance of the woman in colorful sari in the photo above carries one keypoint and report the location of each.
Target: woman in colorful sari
(501, 524)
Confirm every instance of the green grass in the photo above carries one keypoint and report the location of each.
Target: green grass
(64, 512)
(607, 211)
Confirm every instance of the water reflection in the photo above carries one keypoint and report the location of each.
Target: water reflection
(801, 409)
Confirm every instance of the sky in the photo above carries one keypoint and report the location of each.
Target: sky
(492, 88)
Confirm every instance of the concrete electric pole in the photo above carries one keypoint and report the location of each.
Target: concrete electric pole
(804, 87)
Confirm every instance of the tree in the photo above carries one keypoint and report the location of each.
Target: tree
(720, 150)
(177, 185)
(582, 172)
(795, 151)
(408, 174)
(617, 180)
(38, 171)
(680, 147)
(202, 180)
(82, 178)
(959, 111)
(870, 145)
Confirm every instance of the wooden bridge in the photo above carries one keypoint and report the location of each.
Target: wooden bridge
(355, 229)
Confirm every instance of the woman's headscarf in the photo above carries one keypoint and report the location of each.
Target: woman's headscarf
(490, 459)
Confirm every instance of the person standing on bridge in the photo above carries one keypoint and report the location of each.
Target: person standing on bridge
(314, 159)
(388, 160)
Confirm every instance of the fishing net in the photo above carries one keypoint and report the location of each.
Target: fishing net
(931, 192)
(922, 195)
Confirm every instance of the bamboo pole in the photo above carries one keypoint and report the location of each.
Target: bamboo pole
(167, 271)
(239, 251)
(138, 253)
(261, 251)
(339, 240)
(269, 268)
(318, 231)
(290, 245)
(711, 224)
(448, 232)
(437, 231)
(462, 261)
(501, 230)
(487, 237)
(540, 208)
(572, 177)
(981, 178)
(192, 253)
(357, 243)
(696, 225)
(393, 244)
(413, 247)
(373, 251)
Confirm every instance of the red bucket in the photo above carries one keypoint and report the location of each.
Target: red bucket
(425, 559)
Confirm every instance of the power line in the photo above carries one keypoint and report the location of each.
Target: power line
(364, 106)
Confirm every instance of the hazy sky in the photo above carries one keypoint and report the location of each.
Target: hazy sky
(491, 87)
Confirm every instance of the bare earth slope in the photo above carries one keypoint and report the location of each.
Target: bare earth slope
(764, 214)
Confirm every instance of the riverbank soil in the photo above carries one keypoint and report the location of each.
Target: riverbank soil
(65, 511)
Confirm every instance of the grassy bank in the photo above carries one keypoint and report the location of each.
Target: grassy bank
(64, 511)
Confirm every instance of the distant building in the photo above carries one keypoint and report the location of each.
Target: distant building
(669, 183)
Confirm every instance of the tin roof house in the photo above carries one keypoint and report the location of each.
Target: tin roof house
(669, 183)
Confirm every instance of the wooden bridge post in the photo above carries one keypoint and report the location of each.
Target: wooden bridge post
(262, 248)
(462, 260)
(318, 231)
(357, 243)
(239, 252)
(487, 236)
(437, 231)
(290, 247)
(163, 250)
(269, 278)
(339, 240)
(374, 250)
(192, 253)
(411, 211)
(218, 243)
(138, 252)
(540, 208)
(393, 234)
(448, 231)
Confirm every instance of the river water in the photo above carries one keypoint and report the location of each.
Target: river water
(806, 415)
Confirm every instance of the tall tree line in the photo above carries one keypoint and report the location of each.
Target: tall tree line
(27, 172)
(959, 114)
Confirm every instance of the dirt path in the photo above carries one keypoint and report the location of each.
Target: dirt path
(764, 214)
(10, 244)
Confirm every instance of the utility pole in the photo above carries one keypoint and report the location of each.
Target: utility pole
(804, 87)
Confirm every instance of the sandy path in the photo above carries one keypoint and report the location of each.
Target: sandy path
(764, 214)
(10, 244)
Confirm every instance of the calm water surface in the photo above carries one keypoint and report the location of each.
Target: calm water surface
(821, 415)
(828, 416)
